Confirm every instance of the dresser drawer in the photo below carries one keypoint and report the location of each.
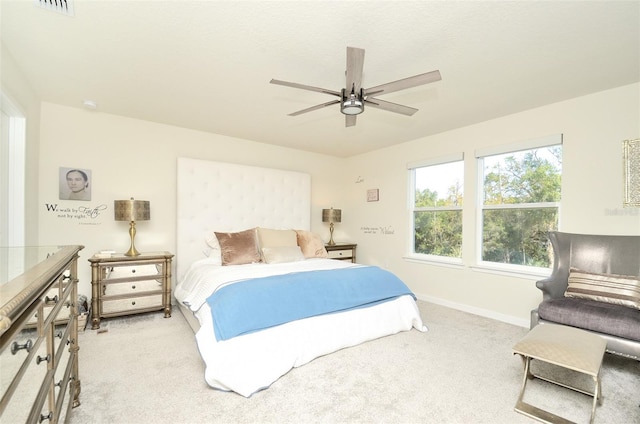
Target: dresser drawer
(124, 305)
(133, 271)
(340, 254)
(131, 287)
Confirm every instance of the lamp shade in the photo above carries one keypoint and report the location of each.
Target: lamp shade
(331, 215)
(132, 210)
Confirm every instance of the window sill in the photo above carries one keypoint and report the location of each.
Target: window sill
(530, 273)
(435, 260)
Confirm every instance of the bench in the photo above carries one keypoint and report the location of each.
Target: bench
(567, 347)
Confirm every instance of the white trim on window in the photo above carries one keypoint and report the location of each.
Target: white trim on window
(455, 157)
(518, 146)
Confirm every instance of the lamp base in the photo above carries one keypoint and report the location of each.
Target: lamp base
(331, 242)
(132, 233)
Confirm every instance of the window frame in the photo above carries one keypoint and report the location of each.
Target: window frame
(411, 208)
(480, 155)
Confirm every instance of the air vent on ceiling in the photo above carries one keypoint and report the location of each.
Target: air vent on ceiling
(61, 6)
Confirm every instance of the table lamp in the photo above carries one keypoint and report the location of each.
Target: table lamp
(132, 211)
(331, 216)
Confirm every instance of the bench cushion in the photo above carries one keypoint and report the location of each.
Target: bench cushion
(592, 315)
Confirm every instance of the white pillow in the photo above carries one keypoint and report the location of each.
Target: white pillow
(212, 251)
(276, 255)
(276, 238)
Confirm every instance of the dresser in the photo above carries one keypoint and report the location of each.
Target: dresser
(342, 251)
(125, 285)
(39, 380)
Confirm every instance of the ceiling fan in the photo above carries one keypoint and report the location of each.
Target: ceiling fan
(353, 98)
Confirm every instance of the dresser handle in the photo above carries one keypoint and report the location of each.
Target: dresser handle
(15, 347)
(46, 417)
(40, 359)
(59, 334)
(53, 299)
(58, 384)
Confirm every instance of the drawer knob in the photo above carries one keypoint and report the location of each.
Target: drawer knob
(133, 271)
(133, 287)
(133, 303)
(42, 359)
(53, 299)
(15, 346)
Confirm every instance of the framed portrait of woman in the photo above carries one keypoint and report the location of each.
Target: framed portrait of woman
(74, 183)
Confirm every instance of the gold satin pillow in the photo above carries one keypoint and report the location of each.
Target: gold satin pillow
(239, 248)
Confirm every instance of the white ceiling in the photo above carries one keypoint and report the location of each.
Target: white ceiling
(206, 65)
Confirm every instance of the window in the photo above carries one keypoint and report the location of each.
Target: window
(436, 206)
(520, 202)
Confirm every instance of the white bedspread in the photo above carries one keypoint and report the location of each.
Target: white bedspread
(252, 362)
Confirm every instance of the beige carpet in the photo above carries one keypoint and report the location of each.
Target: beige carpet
(147, 369)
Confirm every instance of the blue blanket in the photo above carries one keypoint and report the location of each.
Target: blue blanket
(256, 304)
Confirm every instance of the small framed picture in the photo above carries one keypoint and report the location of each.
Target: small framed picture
(631, 154)
(373, 195)
(74, 183)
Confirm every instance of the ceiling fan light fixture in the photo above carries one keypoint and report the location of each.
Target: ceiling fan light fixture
(351, 105)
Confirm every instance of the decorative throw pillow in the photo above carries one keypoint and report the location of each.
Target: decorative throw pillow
(239, 248)
(610, 288)
(276, 238)
(277, 255)
(311, 244)
(212, 251)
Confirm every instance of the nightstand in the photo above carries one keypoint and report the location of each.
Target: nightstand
(125, 285)
(342, 251)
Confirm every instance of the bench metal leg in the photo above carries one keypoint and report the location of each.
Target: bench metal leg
(545, 416)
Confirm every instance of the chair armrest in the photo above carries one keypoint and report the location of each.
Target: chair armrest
(552, 287)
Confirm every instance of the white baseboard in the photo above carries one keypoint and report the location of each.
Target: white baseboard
(476, 311)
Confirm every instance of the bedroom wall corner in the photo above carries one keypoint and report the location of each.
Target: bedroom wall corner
(134, 158)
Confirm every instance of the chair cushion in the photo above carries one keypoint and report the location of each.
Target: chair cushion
(592, 315)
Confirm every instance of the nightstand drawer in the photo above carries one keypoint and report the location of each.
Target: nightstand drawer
(131, 287)
(131, 304)
(340, 254)
(342, 251)
(132, 271)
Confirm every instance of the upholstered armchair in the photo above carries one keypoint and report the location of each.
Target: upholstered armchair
(605, 256)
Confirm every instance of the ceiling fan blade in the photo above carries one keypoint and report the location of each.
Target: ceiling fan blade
(350, 120)
(402, 84)
(316, 107)
(306, 87)
(355, 64)
(391, 107)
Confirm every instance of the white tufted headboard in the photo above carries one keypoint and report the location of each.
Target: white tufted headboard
(218, 196)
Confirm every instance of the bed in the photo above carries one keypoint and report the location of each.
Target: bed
(243, 236)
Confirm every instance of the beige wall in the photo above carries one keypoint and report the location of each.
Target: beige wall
(593, 127)
(134, 158)
(22, 96)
